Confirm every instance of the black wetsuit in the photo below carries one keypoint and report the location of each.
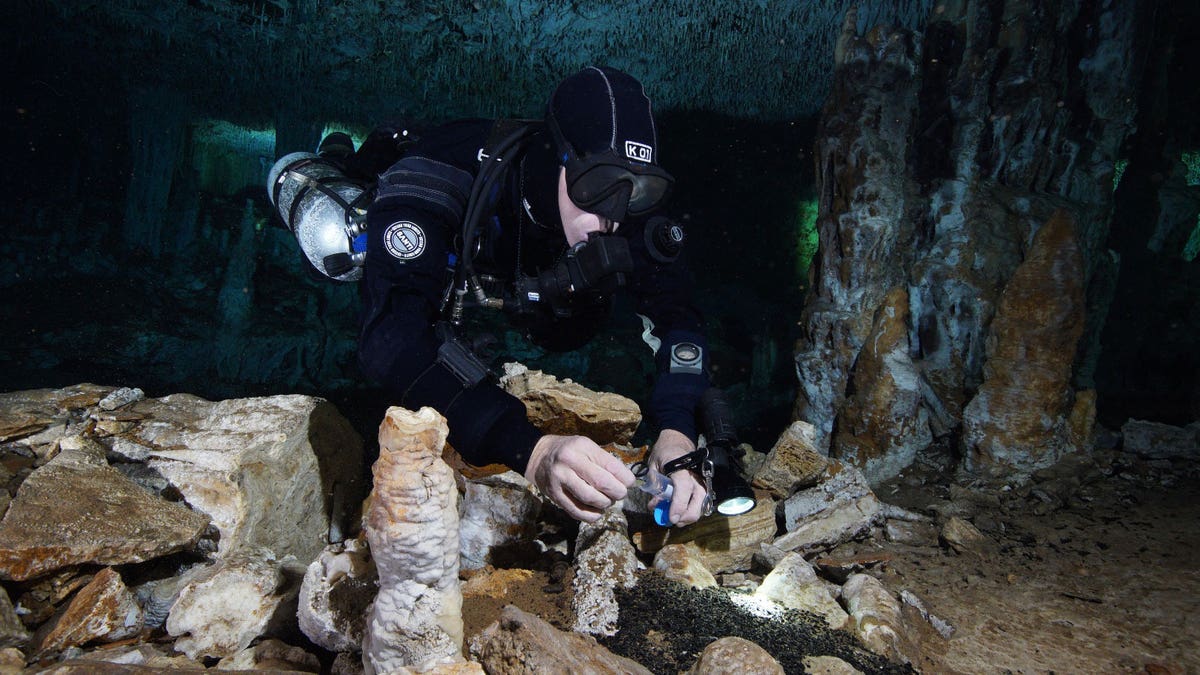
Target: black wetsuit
(414, 228)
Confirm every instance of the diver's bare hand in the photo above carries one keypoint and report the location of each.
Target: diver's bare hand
(687, 502)
(578, 475)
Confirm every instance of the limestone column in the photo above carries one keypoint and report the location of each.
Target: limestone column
(412, 526)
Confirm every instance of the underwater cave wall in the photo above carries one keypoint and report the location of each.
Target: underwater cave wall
(366, 61)
(939, 158)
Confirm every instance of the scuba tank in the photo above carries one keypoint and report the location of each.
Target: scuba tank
(325, 210)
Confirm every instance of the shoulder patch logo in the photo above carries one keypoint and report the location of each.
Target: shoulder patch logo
(405, 240)
(639, 152)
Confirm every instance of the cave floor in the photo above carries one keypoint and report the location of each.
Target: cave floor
(1103, 581)
(1108, 583)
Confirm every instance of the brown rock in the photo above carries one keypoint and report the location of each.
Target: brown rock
(20, 426)
(272, 655)
(12, 661)
(12, 632)
(793, 463)
(794, 584)
(962, 536)
(42, 597)
(682, 563)
(865, 216)
(566, 408)
(76, 509)
(840, 568)
(521, 643)
(877, 618)
(104, 610)
(1018, 420)
(883, 424)
(725, 543)
(828, 665)
(494, 583)
(735, 656)
(1082, 420)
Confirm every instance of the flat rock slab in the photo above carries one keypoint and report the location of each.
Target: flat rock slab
(77, 510)
(724, 543)
(520, 642)
(103, 610)
(1156, 440)
(563, 407)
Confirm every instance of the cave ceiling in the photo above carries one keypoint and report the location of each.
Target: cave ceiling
(362, 60)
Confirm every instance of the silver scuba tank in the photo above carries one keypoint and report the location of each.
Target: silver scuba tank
(324, 209)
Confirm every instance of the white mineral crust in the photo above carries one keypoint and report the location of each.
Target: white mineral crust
(412, 527)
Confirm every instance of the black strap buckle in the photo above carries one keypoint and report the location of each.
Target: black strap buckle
(694, 461)
(700, 462)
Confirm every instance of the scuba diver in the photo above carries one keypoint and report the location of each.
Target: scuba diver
(544, 220)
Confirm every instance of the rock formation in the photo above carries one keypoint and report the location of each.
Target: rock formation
(837, 510)
(497, 512)
(104, 476)
(1019, 421)
(569, 409)
(733, 655)
(222, 608)
(877, 618)
(794, 462)
(521, 643)
(605, 561)
(104, 610)
(271, 472)
(412, 526)
(724, 544)
(793, 584)
(336, 594)
(939, 158)
(77, 509)
(401, 599)
(681, 562)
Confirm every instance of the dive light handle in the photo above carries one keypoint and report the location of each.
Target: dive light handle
(717, 415)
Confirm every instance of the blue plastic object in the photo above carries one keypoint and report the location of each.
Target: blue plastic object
(659, 486)
(662, 513)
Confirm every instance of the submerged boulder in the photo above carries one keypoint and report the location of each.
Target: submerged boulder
(564, 407)
(275, 472)
(76, 509)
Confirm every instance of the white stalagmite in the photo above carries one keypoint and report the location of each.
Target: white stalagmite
(412, 526)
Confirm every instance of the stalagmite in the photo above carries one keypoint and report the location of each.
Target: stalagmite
(412, 526)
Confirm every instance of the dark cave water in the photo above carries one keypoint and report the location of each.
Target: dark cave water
(80, 305)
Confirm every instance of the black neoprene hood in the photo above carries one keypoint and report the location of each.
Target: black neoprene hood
(600, 109)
